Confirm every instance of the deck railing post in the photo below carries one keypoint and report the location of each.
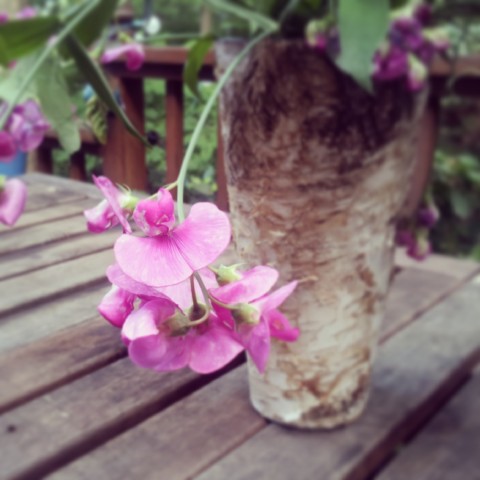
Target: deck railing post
(124, 156)
(174, 128)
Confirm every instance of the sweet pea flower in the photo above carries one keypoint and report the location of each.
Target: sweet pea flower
(13, 195)
(3, 17)
(8, 149)
(172, 256)
(116, 306)
(391, 65)
(158, 337)
(28, 126)
(111, 211)
(428, 216)
(155, 217)
(255, 314)
(134, 53)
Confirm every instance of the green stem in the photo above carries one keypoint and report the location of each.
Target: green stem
(44, 56)
(203, 118)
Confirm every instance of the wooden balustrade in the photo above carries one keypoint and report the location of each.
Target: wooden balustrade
(124, 157)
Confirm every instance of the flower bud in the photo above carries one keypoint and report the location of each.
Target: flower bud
(226, 274)
(246, 314)
(178, 324)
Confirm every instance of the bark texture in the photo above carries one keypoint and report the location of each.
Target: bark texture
(317, 173)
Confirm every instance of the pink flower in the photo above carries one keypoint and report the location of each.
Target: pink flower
(134, 53)
(420, 249)
(256, 317)
(116, 306)
(27, 125)
(180, 294)
(8, 149)
(13, 196)
(391, 65)
(158, 337)
(428, 216)
(27, 12)
(170, 258)
(3, 17)
(111, 211)
(155, 217)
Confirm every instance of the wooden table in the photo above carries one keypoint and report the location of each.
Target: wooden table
(74, 407)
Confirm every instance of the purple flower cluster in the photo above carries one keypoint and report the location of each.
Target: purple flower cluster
(414, 237)
(410, 49)
(24, 130)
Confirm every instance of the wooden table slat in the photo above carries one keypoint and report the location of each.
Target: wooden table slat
(51, 430)
(448, 448)
(29, 325)
(52, 282)
(417, 369)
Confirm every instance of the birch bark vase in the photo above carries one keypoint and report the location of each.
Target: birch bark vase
(317, 172)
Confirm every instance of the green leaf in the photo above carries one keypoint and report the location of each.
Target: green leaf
(92, 26)
(195, 59)
(21, 37)
(95, 77)
(97, 113)
(461, 204)
(52, 93)
(12, 78)
(362, 25)
(247, 14)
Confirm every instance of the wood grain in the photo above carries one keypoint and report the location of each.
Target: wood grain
(459, 268)
(37, 364)
(31, 324)
(57, 427)
(181, 440)
(14, 241)
(56, 252)
(412, 293)
(416, 370)
(51, 282)
(447, 449)
(45, 195)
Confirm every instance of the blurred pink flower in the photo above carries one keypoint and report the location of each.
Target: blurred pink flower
(27, 12)
(13, 196)
(111, 211)
(133, 52)
(8, 149)
(116, 306)
(28, 126)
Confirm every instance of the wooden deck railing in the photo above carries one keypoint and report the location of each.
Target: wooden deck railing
(124, 157)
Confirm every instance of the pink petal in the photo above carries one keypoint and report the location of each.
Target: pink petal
(170, 259)
(254, 284)
(213, 348)
(203, 236)
(256, 341)
(147, 343)
(100, 218)
(12, 201)
(116, 306)
(8, 149)
(155, 216)
(280, 327)
(113, 196)
(116, 276)
(276, 298)
(177, 354)
(153, 261)
(134, 53)
(181, 293)
(27, 12)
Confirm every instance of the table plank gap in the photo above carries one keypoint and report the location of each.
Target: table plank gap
(52, 283)
(448, 447)
(417, 370)
(98, 347)
(420, 288)
(33, 324)
(179, 441)
(43, 234)
(86, 413)
(38, 257)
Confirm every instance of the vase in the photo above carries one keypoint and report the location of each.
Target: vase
(317, 173)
